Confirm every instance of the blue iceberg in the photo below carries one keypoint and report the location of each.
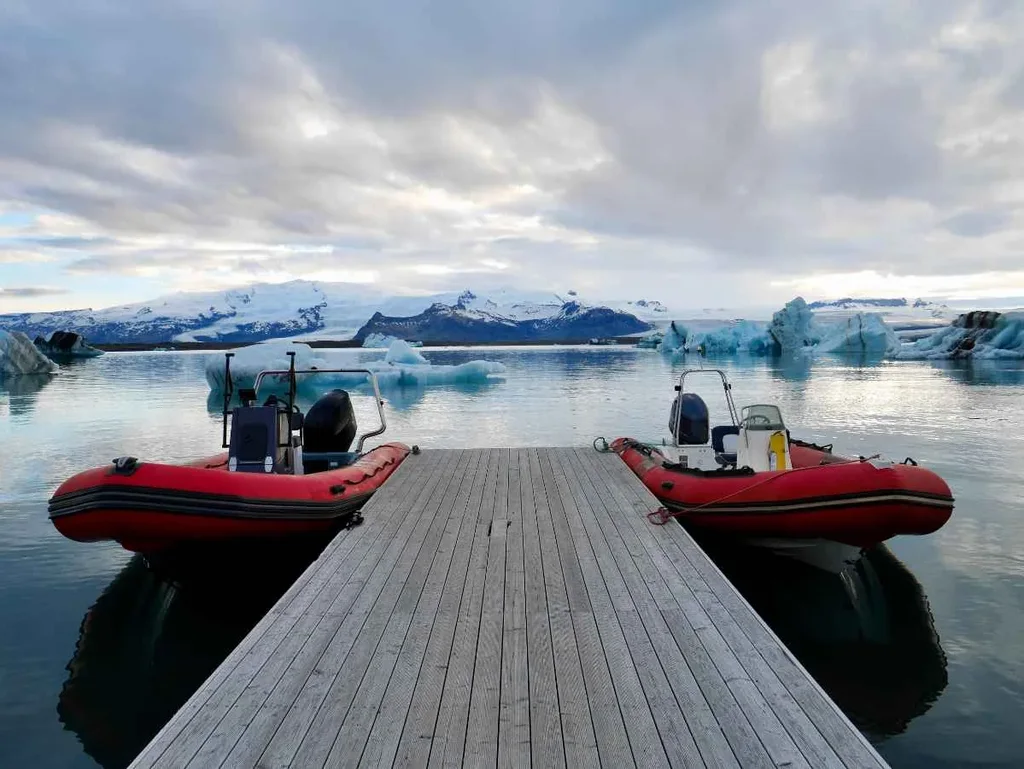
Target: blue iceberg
(983, 334)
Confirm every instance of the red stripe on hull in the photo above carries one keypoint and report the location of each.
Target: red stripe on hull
(845, 501)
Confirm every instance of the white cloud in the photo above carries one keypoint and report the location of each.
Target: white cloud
(639, 149)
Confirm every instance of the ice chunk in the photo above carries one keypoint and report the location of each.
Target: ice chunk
(419, 375)
(248, 361)
(400, 352)
(865, 332)
(793, 327)
(744, 336)
(980, 334)
(381, 341)
(19, 356)
(402, 366)
(674, 340)
(65, 344)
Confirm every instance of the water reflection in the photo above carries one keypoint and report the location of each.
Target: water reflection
(982, 372)
(866, 635)
(21, 392)
(397, 398)
(146, 645)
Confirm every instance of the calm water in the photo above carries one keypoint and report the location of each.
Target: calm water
(922, 644)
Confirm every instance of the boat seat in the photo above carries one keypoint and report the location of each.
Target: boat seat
(725, 454)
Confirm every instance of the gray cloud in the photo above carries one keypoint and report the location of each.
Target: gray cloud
(735, 139)
(27, 292)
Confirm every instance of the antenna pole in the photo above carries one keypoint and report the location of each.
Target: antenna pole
(229, 389)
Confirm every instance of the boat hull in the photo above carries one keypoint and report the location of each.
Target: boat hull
(156, 507)
(824, 497)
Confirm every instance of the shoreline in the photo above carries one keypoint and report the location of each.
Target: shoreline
(346, 344)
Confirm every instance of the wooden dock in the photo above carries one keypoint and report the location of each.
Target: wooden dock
(510, 607)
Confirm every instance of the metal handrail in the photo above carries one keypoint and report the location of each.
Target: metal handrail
(373, 380)
(726, 385)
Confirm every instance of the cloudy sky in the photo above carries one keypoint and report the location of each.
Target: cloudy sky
(731, 153)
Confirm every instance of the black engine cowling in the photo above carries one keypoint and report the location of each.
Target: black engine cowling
(693, 427)
(330, 424)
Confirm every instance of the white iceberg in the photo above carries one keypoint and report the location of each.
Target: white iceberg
(794, 328)
(982, 334)
(401, 367)
(19, 356)
(865, 332)
(399, 351)
(384, 341)
(379, 341)
(249, 361)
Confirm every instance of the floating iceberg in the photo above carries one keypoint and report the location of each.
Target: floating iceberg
(862, 333)
(65, 344)
(402, 367)
(674, 340)
(249, 361)
(400, 351)
(383, 341)
(745, 336)
(19, 357)
(984, 335)
(794, 327)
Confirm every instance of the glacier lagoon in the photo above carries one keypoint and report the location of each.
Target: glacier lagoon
(922, 644)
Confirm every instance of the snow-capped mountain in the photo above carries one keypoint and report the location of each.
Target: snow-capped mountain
(900, 313)
(472, 320)
(307, 309)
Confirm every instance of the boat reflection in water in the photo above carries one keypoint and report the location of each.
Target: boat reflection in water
(146, 645)
(866, 634)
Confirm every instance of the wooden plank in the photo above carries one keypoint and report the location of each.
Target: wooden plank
(644, 740)
(420, 665)
(418, 734)
(547, 748)
(513, 608)
(685, 617)
(732, 666)
(712, 589)
(647, 639)
(448, 746)
(592, 722)
(514, 703)
(251, 720)
(648, 588)
(203, 720)
(368, 588)
(819, 729)
(482, 729)
(418, 601)
(360, 637)
(257, 642)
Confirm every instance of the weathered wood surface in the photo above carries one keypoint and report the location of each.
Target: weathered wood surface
(511, 608)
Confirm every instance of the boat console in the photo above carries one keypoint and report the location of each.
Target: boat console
(757, 438)
(276, 437)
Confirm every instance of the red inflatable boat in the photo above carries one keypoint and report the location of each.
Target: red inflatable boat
(284, 474)
(767, 486)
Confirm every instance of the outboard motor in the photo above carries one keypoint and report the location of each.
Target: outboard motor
(693, 427)
(329, 428)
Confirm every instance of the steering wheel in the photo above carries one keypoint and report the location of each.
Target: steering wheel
(757, 419)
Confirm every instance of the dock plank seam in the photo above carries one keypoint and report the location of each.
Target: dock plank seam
(334, 707)
(824, 717)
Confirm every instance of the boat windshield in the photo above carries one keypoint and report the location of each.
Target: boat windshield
(762, 416)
